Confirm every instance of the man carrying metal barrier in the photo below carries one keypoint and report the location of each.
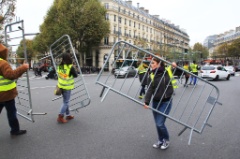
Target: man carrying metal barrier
(8, 90)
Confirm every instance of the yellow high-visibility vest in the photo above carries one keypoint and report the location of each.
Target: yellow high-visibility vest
(169, 71)
(173, 81)
(6, 84)
(64, 81)
(194, 67)
(141, 69)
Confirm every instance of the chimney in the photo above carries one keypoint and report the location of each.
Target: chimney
(156, 16)
(137, 5)
(129, 2)
(142, 8)
(146, 10)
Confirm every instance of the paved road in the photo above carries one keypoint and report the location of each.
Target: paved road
(118, 129)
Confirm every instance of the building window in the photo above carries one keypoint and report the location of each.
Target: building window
(143, 27)
(147, 29)
(107, 16)
(119, 9)
(114, 29)
(106, 5)
(130, 33)
(125, 21)
(120, 19)
(115, 17)
(139, 26)
(114, 39)
(129, 13)
(150, 30)
(106, 41)
(129, 22)
(133, 15)
(150, 22)
(134, 24)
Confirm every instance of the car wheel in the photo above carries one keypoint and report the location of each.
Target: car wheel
(217, 77)
(228, 77)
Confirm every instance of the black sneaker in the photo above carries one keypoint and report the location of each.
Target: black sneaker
(20, 132)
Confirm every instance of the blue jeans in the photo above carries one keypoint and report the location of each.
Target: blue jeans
(11, 114)
(165, 108)
(65, 106)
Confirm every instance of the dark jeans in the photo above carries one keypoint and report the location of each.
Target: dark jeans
(165, 108)
(142, 92)
(11, 114)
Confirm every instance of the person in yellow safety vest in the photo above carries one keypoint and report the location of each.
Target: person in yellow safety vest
(173, 80)
(66, 75)
(187, 68)
(8, 90)
(194, 70)
(160, 94)
(142, 70)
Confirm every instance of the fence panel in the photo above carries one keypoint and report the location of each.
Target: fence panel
(79, 95)
(15, 39)
(192, 106)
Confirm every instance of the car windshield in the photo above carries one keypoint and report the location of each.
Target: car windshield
(208, 68)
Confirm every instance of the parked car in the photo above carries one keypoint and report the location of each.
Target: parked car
(214, 72)
(230, 69)
(237, 68)
(125, 71)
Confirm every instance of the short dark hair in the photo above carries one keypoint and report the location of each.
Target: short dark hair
(66, 59)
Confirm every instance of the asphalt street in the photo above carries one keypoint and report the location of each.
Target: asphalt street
(118, 129)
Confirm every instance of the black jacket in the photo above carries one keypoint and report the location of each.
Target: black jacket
(163, 78)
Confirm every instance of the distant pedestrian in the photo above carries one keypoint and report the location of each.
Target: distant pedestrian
(187, 75)
(66, 73)
(160, 90)
(194, 70)
(142, 74)
(8, 90)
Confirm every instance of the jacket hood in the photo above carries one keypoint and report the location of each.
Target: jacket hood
(159, 70)
(3, 52)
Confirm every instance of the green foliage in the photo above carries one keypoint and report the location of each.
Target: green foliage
(200, 52)
(83, 20)
(7, 8)
(29, 49)
(234, 48)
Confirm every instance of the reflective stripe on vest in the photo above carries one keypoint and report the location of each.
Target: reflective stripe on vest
(64, 81)
(6, 84)
(173, 81)
(169, 71)
(141, 69)
(194, 68)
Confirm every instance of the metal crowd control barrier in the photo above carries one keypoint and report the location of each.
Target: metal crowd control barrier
(15, 38)
(79, 95)
(192, 106)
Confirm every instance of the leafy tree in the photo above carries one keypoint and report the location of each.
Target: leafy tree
(200, 51)
(222, 50)
(7, 8)
(83, 20)
(234, 48)
(29, 49)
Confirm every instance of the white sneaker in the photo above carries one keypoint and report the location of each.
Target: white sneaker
(165, 144)
(158, 144)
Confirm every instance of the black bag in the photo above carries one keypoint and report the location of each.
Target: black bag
(58, 91)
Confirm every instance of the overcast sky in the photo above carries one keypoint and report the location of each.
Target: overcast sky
(200, 18)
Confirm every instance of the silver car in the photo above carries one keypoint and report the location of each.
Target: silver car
(230, 69)
(127, 71)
